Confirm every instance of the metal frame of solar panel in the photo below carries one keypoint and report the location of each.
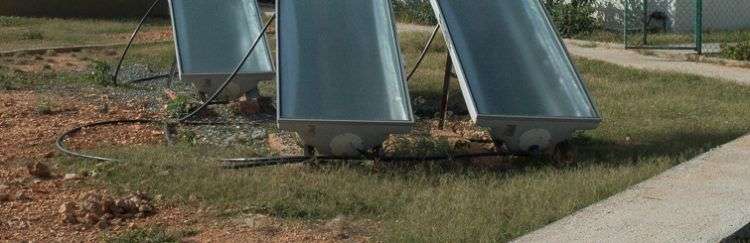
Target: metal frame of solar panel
(211, 38)
(332, 94)
(519, 133)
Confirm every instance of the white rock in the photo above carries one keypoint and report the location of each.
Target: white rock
(71, 176)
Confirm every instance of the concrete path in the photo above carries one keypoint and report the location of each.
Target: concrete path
(633, 59)
(703, 200)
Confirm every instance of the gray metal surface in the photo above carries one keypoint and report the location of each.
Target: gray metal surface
(340, 72)
(514, 71)
(212, 37)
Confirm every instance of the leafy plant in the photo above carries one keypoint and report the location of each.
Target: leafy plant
(44, 107)
(6, 83)
(6, 21)
(151, 235)
(572, 17)
(741, 51)
(414, 11)
(32, 35)
(100, 73)
(180, 106)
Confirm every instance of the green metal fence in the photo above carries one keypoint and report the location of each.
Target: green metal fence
(655, 24)
(706, 26)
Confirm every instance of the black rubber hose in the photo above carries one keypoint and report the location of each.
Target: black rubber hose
(234, 73)
(130, 44)
(60, 143)
(240, 163)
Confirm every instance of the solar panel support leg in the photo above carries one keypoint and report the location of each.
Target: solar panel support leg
(446, 89)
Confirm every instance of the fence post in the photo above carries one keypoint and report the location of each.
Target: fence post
(645, 22)
(625, 12)
(699, 26)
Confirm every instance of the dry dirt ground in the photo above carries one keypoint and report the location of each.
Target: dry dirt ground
(31, 120)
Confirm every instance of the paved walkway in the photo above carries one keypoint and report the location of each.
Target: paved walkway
(633, 59)
(702, 200)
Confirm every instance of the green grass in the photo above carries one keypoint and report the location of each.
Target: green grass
(635, 38)
(23, 33)
(149, 235)
(652, 121)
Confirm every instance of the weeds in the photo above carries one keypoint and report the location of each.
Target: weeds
(741, 51)
(180, 106)
(151, 235)
(9, 21)
(32, 35)
(100, 73)
(6, 82)
(414, 11)
(44, 106)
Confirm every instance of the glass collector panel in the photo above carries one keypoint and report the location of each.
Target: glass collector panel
(338, 60)
(512, 60)
(214, 36)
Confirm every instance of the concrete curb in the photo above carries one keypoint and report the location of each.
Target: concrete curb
(706, 199)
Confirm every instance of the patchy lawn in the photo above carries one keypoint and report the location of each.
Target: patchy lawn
(25, 33)
(653, 121)
(635, 38)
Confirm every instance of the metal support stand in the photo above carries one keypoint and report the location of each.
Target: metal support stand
(424, 53)
(446, 90)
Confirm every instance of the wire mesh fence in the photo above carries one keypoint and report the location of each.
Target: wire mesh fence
(707, 26)
(661, 24)
(712, 27)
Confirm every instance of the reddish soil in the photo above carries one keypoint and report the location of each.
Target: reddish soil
(64, 62)
(160, 34)
(29, 125)
(30, 121)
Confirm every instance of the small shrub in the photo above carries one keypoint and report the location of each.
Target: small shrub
(414, 11)
(6, 82)
(32, 35)
(8, 21)
(572, 17)
(44, 107)
(180, 106)
(100, 73)
(151, 235)
(741, 51)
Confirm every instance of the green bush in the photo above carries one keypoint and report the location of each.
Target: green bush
(414, 11)
(181, 106)
(741, 51)
(32, 35)
(148, 235)
(8, 21)
(572, 17)
(100, 73)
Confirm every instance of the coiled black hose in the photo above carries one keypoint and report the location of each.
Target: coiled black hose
(60, 143)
